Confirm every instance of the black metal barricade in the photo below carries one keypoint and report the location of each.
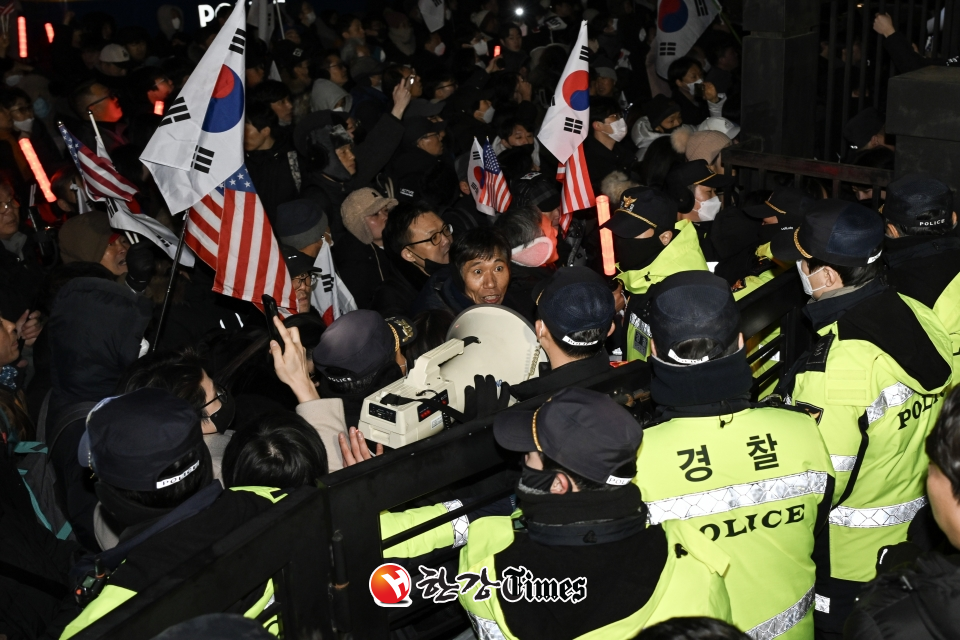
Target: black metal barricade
(321, 546)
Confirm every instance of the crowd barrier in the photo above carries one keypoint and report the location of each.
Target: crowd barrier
(321, 545)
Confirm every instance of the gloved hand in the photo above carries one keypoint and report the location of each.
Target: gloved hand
(140, 266)
(484, 398)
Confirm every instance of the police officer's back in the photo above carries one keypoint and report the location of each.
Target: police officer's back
(755, 479)
(649, 244)
(874, 381)
(922, 249)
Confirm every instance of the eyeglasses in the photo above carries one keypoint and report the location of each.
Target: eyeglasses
(10, 204)
(221, 394)
(21, 108)
(336, 65)
(445, 232)
(302, 280)
(109, 96)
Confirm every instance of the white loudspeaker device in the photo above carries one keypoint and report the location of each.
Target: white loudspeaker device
(483, 340)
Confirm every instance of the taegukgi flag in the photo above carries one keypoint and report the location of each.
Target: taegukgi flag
(433, 13)
(680, 23)
(567, 122)
(477, 179)
(199, 142)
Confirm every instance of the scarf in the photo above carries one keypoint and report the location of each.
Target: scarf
(829, 309)
(579, 507)
(716, 385)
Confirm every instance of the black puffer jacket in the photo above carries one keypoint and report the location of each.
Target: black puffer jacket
(95, 330)
(917, 601)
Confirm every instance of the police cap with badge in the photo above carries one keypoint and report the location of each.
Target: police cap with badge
(641, 209)
(787, 204)
(837, 232)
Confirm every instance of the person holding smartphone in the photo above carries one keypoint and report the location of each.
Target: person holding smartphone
(698, 100)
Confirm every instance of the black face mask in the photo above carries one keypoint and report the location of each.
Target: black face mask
(223, 417)
(537, 479)
(432, 267)
(633, 254)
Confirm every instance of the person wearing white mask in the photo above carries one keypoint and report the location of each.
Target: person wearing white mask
(26, 125)
(698, 100)
(696, 187)
(604, 150)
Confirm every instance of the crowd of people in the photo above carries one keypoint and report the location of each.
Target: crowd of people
(145, 417)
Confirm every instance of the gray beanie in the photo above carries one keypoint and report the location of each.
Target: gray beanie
(300, 223)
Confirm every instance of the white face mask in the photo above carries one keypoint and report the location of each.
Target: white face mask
(619, 127)
(14, 80)
(144, 347)
(310, 18)
(692, 86)
(440, 49)
(175, 23)
(488, 115)
(23, 125)
(805, 279)
(337, 109)
(481, 48)
(709, 209)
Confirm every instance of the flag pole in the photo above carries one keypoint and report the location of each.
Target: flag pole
(173, 275)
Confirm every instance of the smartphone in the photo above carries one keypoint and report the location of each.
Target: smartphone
(412, 78)
(270, 308)
(698, 91)
(496, 51)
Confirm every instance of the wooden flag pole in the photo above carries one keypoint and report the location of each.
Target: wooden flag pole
(173, 275)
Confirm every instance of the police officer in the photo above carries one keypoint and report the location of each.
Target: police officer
(874, 381)
(756, 479)
(922, 250)
(575, 312)
(583, 521)
(695, 187)
(154, 476)
(650, 244)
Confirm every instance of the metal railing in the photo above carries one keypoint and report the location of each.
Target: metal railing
(864, 77)
(321, 545)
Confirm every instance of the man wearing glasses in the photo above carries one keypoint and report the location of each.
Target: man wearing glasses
(303, 274)
(99, 100)
(419, 243)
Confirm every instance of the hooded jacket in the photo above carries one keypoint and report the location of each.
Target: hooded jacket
(95, 330)
(643, 136)
(326, 94)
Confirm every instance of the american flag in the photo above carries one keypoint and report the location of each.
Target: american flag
(494, 181)
(98, 173)
(229, 230)
(7, 9)
(577, 190)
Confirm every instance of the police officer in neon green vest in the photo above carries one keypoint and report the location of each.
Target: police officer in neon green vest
(874, 381)
(756, 479)
(922, 250)
(649, 245)
(580, 560)
(694, 185)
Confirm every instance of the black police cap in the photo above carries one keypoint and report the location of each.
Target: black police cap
(837, 232)
(916, 194)
(582, 430)
(641, 209)
(574, 299)
(788, 204)
(131, 439)
(692, 305)
(696, 172)
(362, 342)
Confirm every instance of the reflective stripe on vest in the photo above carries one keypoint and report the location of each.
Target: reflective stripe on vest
(843, 463)
(783, 621)
(461, 526)
(485, 629)
(892, 396)
(693, 505)
(876, 516)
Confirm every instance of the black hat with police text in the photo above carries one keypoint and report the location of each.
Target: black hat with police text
(691, 305)
(131, 439)
(696, 173)
(641, 209)
(837, 232)
(786, 203)
(581, 430)
(362, 342)
(574, 299)
(916, 194)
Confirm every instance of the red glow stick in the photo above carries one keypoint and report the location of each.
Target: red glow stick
(49, 29)
(37, 169)
(606, 236)
(158, 108)
(22, 33)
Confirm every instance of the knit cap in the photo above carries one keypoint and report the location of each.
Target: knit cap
(699, 145)
(85, 238)
(357, 206)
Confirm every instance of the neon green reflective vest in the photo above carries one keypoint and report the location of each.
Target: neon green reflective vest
(874, 418)
(946, 309)
(753, 481)
(682, 254)
(112, 596)
(690, 585)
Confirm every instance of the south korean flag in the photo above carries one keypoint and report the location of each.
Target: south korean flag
(199, 142)
(680, 23)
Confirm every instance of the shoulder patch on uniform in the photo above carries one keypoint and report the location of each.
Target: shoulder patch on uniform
(818, 357)
(812, 410)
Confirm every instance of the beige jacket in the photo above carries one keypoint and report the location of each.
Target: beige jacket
(326, 416)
